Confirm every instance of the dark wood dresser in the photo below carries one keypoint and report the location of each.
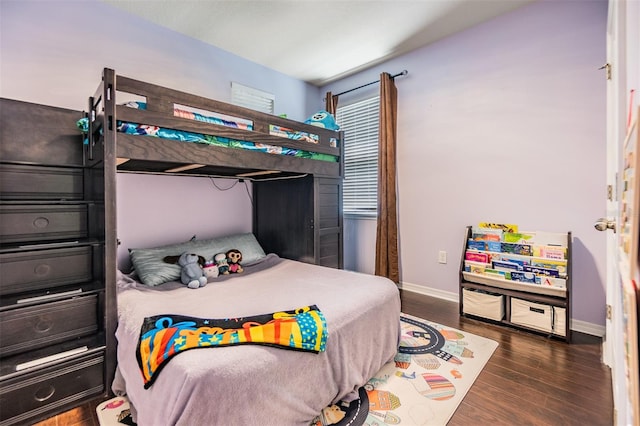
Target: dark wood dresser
(300, 219)
(54, 309)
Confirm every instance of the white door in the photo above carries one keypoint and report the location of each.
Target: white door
(616, 127)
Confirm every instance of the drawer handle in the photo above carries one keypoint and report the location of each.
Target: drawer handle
(44, 393)
(41, 222)
(43, 325)
(42, 269)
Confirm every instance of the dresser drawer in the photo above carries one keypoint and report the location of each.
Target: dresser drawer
(19, 182)
(33, 327)
(329, 249)
(32, 394)
(20, 223)
(44, 269)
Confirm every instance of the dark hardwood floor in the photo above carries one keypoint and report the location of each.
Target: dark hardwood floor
(529, 380)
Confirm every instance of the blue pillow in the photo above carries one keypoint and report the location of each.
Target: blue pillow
(152, 270)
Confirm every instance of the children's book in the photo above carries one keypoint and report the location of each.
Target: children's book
(505, 227)
(497, 273)
(552, 282)
(525, 277)
(476, 256)
(550, 252)
(520, 260)
(519, 237)
(560, 265)
(506, 265)
(476, 245)
(523, 249)
(542, 271)
(487, 234)
(495, 246)
(475, 267)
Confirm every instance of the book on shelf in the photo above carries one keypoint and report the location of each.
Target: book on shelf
(484, 245)
(486, 234)
(514, 258)
(550, 252)
(523, 249)
(552, 282)
(524, 277)
(476, 256)
(519, 237)
(506, 266)
(505, 227)
(542, 271)
(475, 267)
(559, 265)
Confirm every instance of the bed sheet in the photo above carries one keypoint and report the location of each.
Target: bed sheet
(255, 384)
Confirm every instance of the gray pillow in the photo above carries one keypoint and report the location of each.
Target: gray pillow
(152, 270)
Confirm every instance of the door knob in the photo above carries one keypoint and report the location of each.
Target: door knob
(603, 224)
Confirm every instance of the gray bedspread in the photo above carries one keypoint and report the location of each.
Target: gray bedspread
(254, 384)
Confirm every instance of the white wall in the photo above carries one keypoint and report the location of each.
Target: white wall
(53, 53)
(504, 122)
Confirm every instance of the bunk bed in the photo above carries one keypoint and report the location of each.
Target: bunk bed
(240, 384)
(147, 135)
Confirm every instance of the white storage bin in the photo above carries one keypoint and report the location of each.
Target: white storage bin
(482, 304)
(559, 321)
(535, 315)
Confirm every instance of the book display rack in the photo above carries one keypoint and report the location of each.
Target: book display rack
(520, 279)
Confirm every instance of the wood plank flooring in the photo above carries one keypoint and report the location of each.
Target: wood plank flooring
(529, 380)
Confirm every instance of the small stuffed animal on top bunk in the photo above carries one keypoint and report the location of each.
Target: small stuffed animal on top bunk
(323, 119)
(192, 274)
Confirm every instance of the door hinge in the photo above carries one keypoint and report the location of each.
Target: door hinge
(609, 312)
(610, 192)
(607, 67)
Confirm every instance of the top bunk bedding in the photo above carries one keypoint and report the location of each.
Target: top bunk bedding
(223, 139)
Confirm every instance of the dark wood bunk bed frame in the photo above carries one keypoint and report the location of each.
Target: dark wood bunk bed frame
(297, 202)
(298, 215)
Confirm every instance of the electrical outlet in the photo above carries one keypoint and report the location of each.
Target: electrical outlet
(442, 256)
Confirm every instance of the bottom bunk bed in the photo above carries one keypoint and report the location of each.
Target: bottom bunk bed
(356, 333)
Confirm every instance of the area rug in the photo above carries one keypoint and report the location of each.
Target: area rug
(433, 370)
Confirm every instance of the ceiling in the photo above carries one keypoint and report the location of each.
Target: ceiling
(318, 41)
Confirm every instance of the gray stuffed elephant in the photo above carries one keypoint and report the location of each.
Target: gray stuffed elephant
(192, 274)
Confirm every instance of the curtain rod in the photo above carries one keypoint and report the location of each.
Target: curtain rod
(402, 73)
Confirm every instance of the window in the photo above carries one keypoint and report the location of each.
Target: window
(252, 98)
(360, 122)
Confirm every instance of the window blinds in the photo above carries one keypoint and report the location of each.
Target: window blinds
(252, 98)
(360, 122)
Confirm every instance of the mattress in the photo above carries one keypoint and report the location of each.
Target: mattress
(258, 384)
(183, 136)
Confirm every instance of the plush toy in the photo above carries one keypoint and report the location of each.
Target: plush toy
(323, 119)
(221, 262)
(234, 257)
(210, 270)
(192, 274)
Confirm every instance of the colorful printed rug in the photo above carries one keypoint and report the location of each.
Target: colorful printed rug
(433, 370)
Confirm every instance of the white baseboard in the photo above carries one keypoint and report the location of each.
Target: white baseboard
(576, 325)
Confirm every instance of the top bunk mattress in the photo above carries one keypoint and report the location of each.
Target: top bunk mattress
(228, 139)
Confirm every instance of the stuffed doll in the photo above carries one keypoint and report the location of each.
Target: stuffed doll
(210, 270)
(221, 262)
(192, 274)
(234, 257)
(323, 119)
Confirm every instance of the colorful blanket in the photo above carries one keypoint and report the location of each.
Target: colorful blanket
(164, 336)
